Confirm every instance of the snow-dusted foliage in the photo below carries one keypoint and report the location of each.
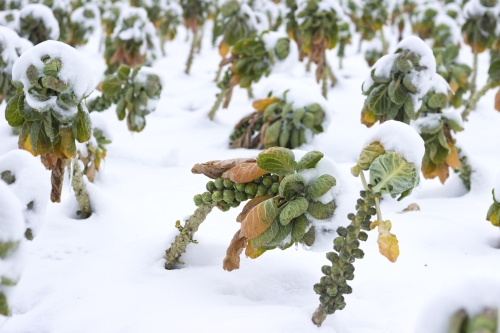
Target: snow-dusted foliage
(11, 46)
(12, 252)
(29, 181)
(85, 21)
(61, 10)
(10, 19)
(38, 23)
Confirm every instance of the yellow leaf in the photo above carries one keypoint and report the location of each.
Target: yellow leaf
(223, 49)
(452, 159)
(494, 219)
(368, 118)
(254, 253)
(443, 172)
(27, 146)
(387, 242)
(244, 173)
(261, 104)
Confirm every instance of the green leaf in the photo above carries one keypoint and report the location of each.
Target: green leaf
(321, 211)
(52, 68)
(291, 185)
(454, 125)
(270, 111)
(299, 228)
(379, 79)
(408, 85)
(402, 64)
(4, 305)
(47, 125)
(391, 173)
(293, 209)
(409, 109)
(123, 72)
(369, 154)
(27, 111)
(494, 71)
(397, 92)
(112, 86)
(297, 116)
(431, 127)
(310, 236)
(284, 136)
(438, 100)
(271, 137)
(286, 109)
(84, 126)
(267, 236)
(34, 133)
(379, 101)
(54, 84)
(284, 231)
(277, 160)
(12, 114)
(309, 160)
(308, 120)
(32, 75)
(120, 109)
(67, 140)
(321, 186)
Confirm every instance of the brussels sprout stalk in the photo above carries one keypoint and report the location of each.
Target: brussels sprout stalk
(194, 44)
(81, 194)
(218, 102)
(475, 97)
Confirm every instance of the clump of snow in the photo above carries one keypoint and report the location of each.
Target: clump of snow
(10, 19)
(11, 46)
(286, 65)
(75, 71)
(11, 230)
(455, 31)
(89, 23)
(44, 13)
(429, 122)
(99, 122)
(400, 138)
(31, 185)
(454, 115)
(474, 8)
(496, 187)
(439, 85)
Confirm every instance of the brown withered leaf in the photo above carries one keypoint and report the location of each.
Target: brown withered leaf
(387, 242)
(244, 173)
(49, 160)
(249, 206)
(215, 169)
(232, 259)
(443, 172)
(259, 218)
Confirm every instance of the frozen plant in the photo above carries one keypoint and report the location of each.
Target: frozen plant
(398, 82)
(168, 23)
(93, 152)
(344, 39)
(11, 47)
(52, 81)
(286, 198)
(392, 156)
(445, 32)
(493, 214)
(284, 122)
(484, 322)
(437, 128)
(133, 41)
(37, 23)
(292, 25)
(84, 21)
(373, 52)
(12, 252)
(492, 82)
(250, 59)
(28, 181)
(134, 91)
(236, 21)
(373, 16)
(423, 22)
(318, 31)
(194, 14)
(10, 19)
(271, 10)
(12, 4)
(61, 10)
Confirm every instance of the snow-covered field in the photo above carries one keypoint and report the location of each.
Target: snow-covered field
(105, 274)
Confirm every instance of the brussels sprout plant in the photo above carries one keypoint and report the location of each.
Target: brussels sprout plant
(275, 216)
(84, 20)
(38, 24)
(492, 82)
(486, 321)
(194, 14)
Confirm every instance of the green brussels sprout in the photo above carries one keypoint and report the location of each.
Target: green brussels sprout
(211, 186)
(198, 200)
(341, 231)
(267, 181)
(224, 206)
(332, 256)
(261, 190)
(362, 236)
(219, 183)
(234, 203)
(251, 189)
(240, 196)
(207, 197)
(275, 188)
(228, 183)
(240, 187)
(217, 196)
(228, 196)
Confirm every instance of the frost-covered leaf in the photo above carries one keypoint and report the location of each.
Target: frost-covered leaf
(244, 173)
(309, 160)
(277, 160)
(391, 173)
(259, 218)
(407, 83)
(321, 186)
(438, 100)
(293, 209)
(291, 186)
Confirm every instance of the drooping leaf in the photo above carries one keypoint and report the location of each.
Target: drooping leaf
(291, 186)
(387, 242)
(321, 211)
(267, 236)
(294, 209)
(321, 186)
(391, 173)
(283, 233)
(438, 100)
(244, 173)
(67, 141)
(378, 100)
(259, 218)
(272, 134)
(397, 92)
(83, 126)
(310, 236)
(277, 160)
(250, 205)
(299, 228)
(262, 104)
(369, 154)
(232, 259)
(309, 160)
(12, 114)
(112, 86)
(494, 71)
(215, 169)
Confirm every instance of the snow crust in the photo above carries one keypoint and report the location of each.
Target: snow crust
(270, 39)
(400, 138)
(44, 13)
(32, 185)
(75, 71)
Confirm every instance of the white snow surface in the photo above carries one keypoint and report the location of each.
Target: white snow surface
(400, 138)
(45, 14)
(105, 274)
(75, 71)
(32, 185)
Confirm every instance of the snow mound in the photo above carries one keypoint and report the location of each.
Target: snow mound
(31, 186)
(11, 45)
(400, 138)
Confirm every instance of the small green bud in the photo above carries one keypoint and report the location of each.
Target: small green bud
(341, 281)
(361, 202)
(224, 206)
(335, 268)
(348, 290)
(354, 244)
(275, 188)
(351, 216)
(361, 214)
(267, 181)
(332, 256)
(219, 183)
(275, 178)
(349, 276)
(371, 211)
(362, 194)
(349, 268)
(258, 180)
(227, 183)
(261, 190)
(207, 197)
(326, 280)
(251, 189)
(351, 229)
(339, 299)
(339, 241)
(342, 231)
(228, 196)
(327, 270)
(240, 187)
(318, 288)
(365, 225)
(217, 196)
(198, 200)
(324, 299)
(341, 306)
(358, 254)
(240, 196)
(363, 236)
(331, 291)
(270, 192)
(210, 186)
(234, 204)
(330, 309)
(344, 256)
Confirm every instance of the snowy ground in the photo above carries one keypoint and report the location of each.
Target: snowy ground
(105, 274)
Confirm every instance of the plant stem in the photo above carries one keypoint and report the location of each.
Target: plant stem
(308, 65)
(319, 315)
(377, 200)
(474, 68)
(217, 76)
(250, 93)
(191, 53)
(81, 194)
(324, 86)
(385, 47)
(475, 98)
(333, 79)
(56, 178)
(217, 104)
(181, 241)
(363, 180)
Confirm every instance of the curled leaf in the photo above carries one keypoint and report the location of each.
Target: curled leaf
(387, 242)
(278, 160)
(262, 104)
(232, 259)
(215, 169)
(369, 154)
(244, 173)
(259, 218)
(250, 205)
(309, 160)
(294, 209)
(321, 186)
